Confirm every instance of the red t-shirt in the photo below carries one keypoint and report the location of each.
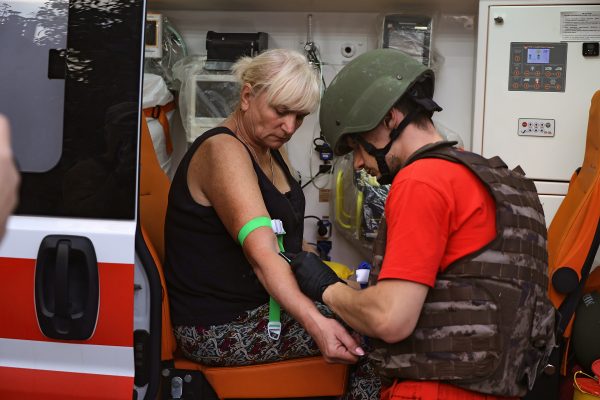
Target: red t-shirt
(437, 211)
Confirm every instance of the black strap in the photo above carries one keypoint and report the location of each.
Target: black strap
(379, 154)
(374, 151)
(423, 152)
(423, 103)
(569, 305)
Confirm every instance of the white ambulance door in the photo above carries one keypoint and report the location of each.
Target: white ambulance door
(70, 75)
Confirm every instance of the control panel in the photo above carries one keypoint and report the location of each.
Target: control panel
(537, 67)
(536, 127)
(531, 44)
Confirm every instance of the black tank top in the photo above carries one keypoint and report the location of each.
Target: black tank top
(210, 282)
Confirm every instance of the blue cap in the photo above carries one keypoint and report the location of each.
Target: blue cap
(364, 265)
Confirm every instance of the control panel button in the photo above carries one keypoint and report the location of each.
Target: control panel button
(540, 127)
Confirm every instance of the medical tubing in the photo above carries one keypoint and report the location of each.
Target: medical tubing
(179, 38)
(311, 180)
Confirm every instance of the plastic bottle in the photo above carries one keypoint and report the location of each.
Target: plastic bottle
(362, 274)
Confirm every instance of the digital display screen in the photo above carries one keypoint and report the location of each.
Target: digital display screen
(538, 56)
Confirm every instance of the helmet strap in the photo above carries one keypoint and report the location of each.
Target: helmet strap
(379, 154)
(386, 175)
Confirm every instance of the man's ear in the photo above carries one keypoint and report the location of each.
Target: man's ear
(388, 120)
(393, 118)
(245, 95)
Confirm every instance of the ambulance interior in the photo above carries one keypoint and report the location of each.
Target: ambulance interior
(501, 77)
(515, 78)
(490, 107)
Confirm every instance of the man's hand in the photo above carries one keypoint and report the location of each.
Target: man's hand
(335, 343)
(9, 177)
(313, 275)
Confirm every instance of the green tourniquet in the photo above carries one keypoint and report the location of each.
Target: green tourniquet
(274, 308)
(251, 225)
(254, 223)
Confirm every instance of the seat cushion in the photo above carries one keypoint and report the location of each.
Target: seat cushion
(303, 377)
(571, 233)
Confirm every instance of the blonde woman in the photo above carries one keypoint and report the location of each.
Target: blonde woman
(219, 290)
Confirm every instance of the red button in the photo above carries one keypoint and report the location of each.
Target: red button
(524, 124)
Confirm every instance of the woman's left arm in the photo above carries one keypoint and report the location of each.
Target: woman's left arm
(230, 184)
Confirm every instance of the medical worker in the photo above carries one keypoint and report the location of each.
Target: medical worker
(459, 309)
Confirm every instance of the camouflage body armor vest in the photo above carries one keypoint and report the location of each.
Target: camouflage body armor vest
(487, 325)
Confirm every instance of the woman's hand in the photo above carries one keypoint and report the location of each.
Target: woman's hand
(335, 343)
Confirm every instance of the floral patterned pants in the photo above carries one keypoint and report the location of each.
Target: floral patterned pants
(245, 341)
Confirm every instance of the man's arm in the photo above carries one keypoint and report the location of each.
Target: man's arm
(418, 220)
(388, 311)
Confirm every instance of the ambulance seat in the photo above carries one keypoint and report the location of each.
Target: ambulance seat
(304, 377)
(574, 233)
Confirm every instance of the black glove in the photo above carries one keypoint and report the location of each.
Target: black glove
(312, 274)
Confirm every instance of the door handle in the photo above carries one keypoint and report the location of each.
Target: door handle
(61, 293)
(67, 287)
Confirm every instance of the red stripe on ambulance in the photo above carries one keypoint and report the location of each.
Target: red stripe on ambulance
(24, 384)
(17, 304)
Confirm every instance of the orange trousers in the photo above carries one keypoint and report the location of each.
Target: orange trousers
(432, 390)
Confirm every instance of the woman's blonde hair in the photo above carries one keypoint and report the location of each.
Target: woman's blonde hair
(284, 75)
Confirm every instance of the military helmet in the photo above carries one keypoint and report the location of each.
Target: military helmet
(365, 90)
(586, 330)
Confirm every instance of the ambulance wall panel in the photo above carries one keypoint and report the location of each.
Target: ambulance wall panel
(454, 40)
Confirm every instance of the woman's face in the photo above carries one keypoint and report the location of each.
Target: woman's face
(270, 126)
